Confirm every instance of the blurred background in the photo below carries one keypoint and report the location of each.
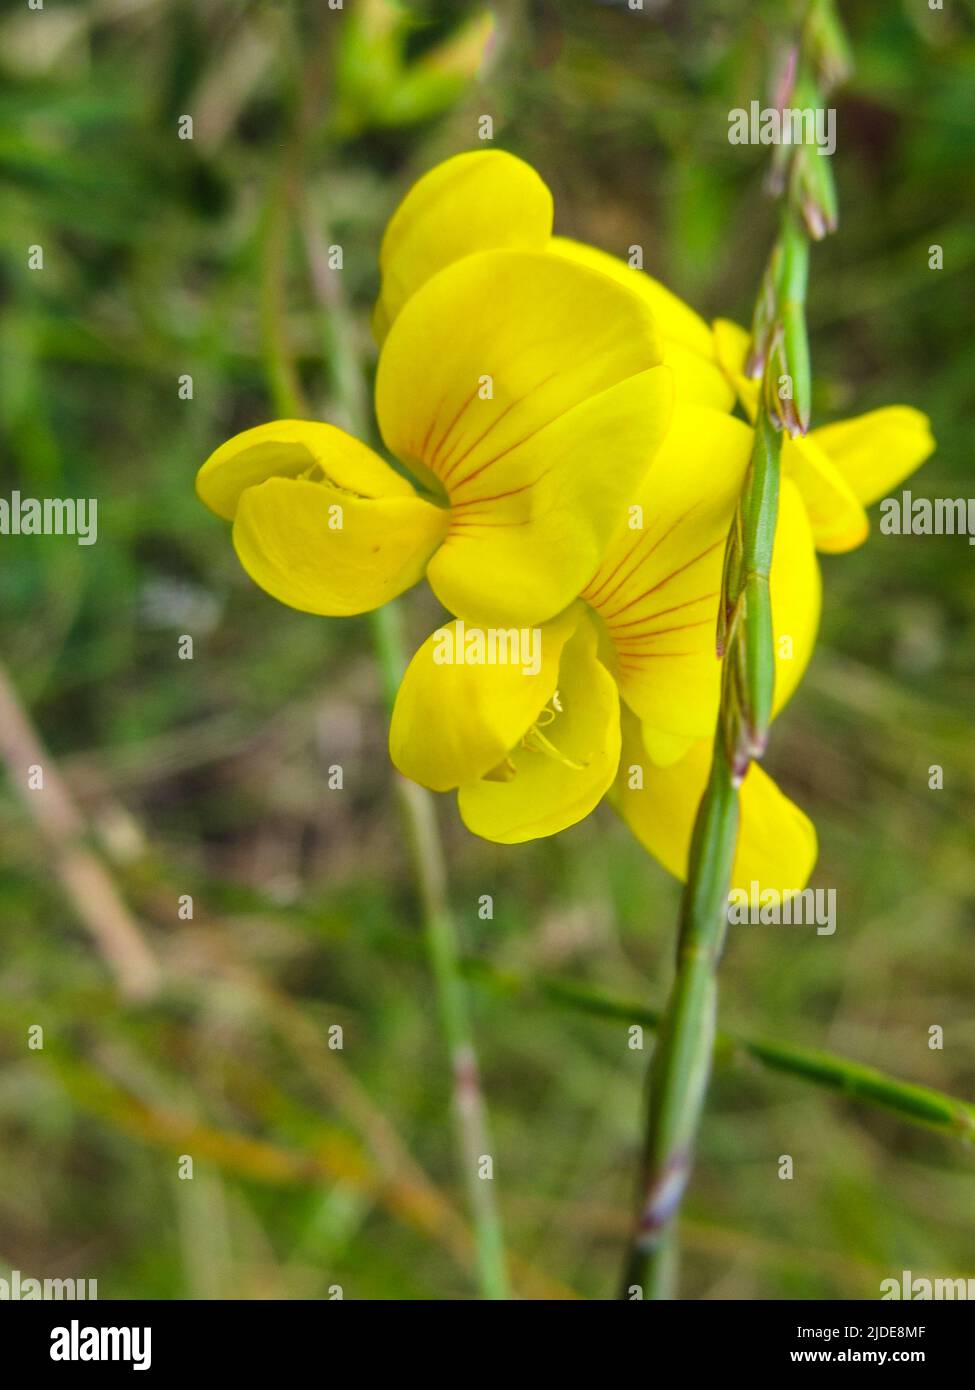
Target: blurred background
(166, 258)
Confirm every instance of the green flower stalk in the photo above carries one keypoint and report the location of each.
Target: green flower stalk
(681, 1063)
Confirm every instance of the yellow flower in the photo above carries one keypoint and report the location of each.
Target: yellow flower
(653, 598)
(530, 754)
(840, 469)
(524, 395)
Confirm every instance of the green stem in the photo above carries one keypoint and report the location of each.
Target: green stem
(427, 857)
(416, 804)
(915, 1104)
(681, 1063)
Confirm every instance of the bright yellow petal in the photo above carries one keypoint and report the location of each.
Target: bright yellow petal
(456, 719)
(776, 844)
(479, 201)
(657, 588)
(664, 748)
(837, 517)
(288, 449)
(731, 343)
(688, 348)
(796, 589)
(675, 319)
(322, 550)
(551, 784)
(696, 380)
(876, 451)
(519, 384)
(524, 551)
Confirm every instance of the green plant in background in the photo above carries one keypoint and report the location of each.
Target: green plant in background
(377, 83)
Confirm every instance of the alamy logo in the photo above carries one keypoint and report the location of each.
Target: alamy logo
(767, 907)
(919, 1290)
(786, 125)
(17, 1288)
(459, 645)
(50, 516)
(77, 1343)
(908, 515)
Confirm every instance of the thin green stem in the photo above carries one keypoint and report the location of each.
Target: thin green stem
(416, 804)
(440, 933)
(681, 1064)
(914, 1104)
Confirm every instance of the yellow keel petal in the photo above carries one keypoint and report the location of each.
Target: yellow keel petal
(458, 713)
(558, 780)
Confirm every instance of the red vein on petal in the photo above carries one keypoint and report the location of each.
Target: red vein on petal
(609, 617)
(437, 460)
(643, 559)
(492, 426)
(664, 612)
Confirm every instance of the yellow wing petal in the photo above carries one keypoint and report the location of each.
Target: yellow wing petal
(478, 201)
(837, 517)
(322, 550)
(876, 451)
(288, 449)
(556, 780)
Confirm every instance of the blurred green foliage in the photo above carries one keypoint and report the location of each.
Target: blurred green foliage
(165, 257)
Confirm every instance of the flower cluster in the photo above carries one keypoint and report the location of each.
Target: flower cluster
(570, 468)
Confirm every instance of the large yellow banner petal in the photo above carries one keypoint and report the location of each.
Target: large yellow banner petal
(476, 390)
(479, 201)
